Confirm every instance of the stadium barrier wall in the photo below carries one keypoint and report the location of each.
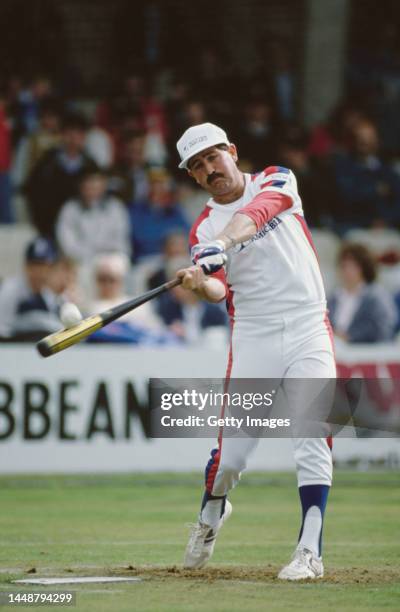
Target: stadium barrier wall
(84, 409)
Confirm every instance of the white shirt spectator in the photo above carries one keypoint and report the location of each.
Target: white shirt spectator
(84, 232)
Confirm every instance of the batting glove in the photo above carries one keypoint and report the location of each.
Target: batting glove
(210, 256)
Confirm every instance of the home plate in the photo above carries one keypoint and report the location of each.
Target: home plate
(71, 580)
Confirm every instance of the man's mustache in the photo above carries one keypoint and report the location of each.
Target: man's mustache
(213, 176)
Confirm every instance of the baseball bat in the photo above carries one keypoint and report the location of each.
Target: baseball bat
(60, 340)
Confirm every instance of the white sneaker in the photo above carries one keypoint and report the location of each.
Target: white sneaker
(304, 564)
(202, 541)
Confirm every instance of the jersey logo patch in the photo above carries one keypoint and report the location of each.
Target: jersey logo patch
(268, 227)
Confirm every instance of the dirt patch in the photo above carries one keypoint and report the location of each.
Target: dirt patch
(267, 573)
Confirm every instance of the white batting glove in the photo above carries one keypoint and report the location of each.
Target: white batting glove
(210, 256)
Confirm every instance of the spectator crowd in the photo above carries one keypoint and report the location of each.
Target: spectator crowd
(97, 180)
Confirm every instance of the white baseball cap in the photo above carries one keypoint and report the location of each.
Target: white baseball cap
(197, 138)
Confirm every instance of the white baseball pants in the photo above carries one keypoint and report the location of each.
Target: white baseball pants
(294, 346)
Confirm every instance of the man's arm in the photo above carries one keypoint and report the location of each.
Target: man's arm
(209, 288)
(239, 229)
(205, 287)
(251, 218)
(210, 257)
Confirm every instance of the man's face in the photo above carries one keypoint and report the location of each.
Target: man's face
(160, 192)
(63, 276)
(37, 274)
(350, 272)
(134, 151)
(93, 188)
(109, 284)
(215, 170)
(365, 139)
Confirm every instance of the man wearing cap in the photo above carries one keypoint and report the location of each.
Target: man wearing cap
(252, 247)
(29, 308)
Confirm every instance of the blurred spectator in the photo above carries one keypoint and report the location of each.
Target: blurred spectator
(174, 250)
(28, 306)
(368, 189)
(334, 135)
(63, 281)
(154, 218)
(93, 223)
(126, 126)
(283, 79)
(384, 243)
(110, 274)
(140, 326)
(32, 148)
(47, 135)
(256, 137)
(361, 310)
(193, 113)
(188, 316)
(155, 125)
(136, 108)
(129, 179)
(6, 211)
(27, 105)
(56, 176)
(314, 181)
(99, 147)
(191, 196)
(12, 94)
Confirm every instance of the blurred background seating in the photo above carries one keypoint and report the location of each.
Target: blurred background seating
(117, 98)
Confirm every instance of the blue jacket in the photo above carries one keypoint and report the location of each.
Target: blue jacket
(374, 320)
(150, 226)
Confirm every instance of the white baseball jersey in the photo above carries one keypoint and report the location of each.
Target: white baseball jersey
(277, 305)
(277, 270)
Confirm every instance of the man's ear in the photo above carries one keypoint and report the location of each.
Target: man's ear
(233, 151)
(190, 173)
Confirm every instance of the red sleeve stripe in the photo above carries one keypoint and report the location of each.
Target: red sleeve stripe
(270, 170)
(307, 232)
(265, 206)
(193, 232)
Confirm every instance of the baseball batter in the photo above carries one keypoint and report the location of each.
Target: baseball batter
(251, 246)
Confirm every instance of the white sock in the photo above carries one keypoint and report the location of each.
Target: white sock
(311, 530)
(211, 513)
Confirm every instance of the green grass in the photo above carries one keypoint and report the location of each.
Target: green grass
(130, 525)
